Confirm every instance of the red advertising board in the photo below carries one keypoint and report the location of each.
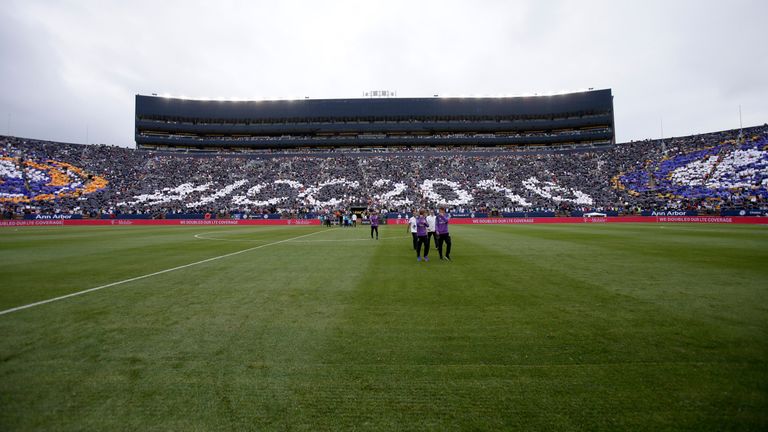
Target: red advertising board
(454, 221)
(610, 219)
(185, 222)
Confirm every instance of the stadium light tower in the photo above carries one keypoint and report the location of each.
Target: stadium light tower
(741, 127)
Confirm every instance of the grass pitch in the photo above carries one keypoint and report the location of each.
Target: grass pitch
(542, 327)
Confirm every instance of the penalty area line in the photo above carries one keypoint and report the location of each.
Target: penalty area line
(77, 293)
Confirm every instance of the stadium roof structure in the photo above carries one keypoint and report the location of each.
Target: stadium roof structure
(584, 118)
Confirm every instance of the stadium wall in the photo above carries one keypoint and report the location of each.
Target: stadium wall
(752, 220)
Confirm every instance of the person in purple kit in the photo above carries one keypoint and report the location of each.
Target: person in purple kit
(442, 234)
(374, 223)
(421, 234)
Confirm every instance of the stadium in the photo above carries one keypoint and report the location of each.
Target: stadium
(526, 157)
(212, 278)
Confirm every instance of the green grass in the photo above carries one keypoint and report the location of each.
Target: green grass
(543, 327)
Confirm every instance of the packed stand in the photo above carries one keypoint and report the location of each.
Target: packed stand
(702, 172)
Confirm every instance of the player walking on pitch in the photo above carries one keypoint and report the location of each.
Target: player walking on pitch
(443, 238)
(431, 229)
(412, 228)
(374, 224)
(421, 234)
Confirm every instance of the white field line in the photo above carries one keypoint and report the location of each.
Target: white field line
(204, 236)
(42, 302)
(201, 237)
(367, 239)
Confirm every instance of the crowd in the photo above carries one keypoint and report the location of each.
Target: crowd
(701, 172)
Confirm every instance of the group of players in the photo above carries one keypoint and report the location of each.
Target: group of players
(424, 226)
(427, 225)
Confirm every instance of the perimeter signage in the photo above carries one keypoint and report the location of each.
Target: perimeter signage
(458, 221)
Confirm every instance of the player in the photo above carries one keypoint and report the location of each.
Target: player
(374, 224)
(412, 228)
(443, 238)
(431, 228)
(421, 234)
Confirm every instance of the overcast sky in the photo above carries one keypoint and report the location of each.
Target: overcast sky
(69, 70)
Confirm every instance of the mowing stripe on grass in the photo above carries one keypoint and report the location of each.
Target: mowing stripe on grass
(42, 302)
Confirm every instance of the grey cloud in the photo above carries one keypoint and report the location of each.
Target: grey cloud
(77, 64)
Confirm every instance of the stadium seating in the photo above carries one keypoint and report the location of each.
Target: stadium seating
(702, 172)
